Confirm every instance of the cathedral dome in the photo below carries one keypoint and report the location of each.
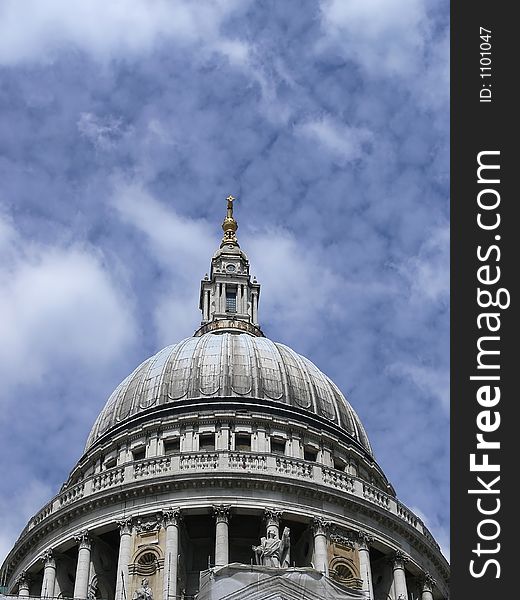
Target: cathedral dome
(207, 461)
(237, 366)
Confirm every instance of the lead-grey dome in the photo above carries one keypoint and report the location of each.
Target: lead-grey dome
(229, 365)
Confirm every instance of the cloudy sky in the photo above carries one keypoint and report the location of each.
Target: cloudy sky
(123, 127)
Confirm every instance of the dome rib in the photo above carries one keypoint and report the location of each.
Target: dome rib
(228, 365)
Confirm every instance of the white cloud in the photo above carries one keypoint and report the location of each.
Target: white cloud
(16, 507)
(182, 246)
(434, 382)
(428, 273)
(101, 131)
(381, 35)
(440, 533)
(58, 304)
(36, 31)
(345, 143)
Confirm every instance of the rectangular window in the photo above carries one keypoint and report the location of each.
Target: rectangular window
(310, 454)
(243, 442)
(231, 301)
(111, 462)
(207, 441)
(278, 446)
(339, 465)
(171, 446)
(139, 453)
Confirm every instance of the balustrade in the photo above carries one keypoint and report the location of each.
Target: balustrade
(193, 462)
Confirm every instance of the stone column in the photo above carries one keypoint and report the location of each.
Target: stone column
(49, 574)
(223, 309)
(153, 445)
(239, 299)
(83, 565)
(222, 437)
(427, 587)
(254, 303)
(205, 305)
(23, 580)
(125, 551)
(172, 518)
(320, 527)
(296, 446)
(364, 540)
(221, 534)
(400, 589)
(259, 441)
(187, 439)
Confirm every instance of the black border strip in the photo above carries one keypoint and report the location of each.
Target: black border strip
(482, 120)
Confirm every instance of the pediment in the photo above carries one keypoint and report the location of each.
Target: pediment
(280, 588)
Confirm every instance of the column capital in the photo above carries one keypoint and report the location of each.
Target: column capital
(320, 526)
(172, 516)
(272, 517)
(427, 582)
(83, 540)
(23, 579)
(48, 558)
(398, 559)
(125, 527)
(364, 539)
(222, 512)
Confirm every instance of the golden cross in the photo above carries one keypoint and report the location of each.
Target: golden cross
(230, 198)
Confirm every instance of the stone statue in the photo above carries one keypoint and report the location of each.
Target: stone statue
(273, 551)
(144, 592)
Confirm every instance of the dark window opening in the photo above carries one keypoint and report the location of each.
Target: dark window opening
(231, 301)
(277, 446)
(139, 454)
(339, 466)
(243, 442)
(172, 446)
(310, 454)
(207, 441)
(111, 462)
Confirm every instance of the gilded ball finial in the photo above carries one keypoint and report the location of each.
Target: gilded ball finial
(229, 225)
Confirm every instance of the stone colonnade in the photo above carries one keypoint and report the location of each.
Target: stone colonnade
(171, 519)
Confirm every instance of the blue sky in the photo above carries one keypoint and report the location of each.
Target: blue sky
(123, 127)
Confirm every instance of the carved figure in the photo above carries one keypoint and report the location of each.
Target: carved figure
(273, 551)
(144, 592)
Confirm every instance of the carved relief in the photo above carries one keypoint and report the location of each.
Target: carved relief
(144, 592)
(148, 523)
(344, 559)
